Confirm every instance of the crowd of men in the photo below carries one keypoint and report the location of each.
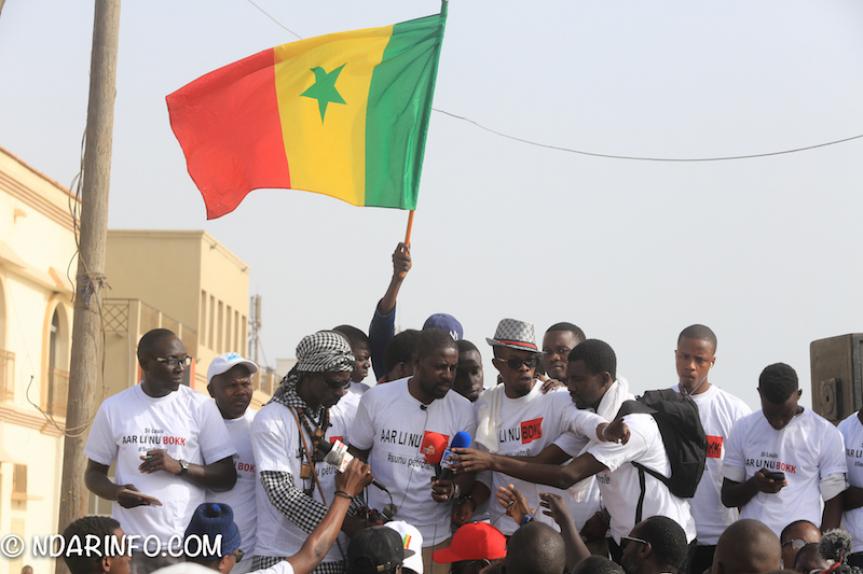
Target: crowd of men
(558, 473)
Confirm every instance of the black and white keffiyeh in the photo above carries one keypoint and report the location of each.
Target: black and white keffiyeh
(321, 352)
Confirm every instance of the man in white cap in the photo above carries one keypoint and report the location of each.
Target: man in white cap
(229, 382)
(411, 540)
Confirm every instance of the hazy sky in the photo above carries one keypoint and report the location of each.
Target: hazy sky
(765, 251)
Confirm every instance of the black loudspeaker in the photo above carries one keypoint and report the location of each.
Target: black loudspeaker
(837, 376)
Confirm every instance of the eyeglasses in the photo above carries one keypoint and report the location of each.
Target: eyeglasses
(515, 363)
(624, 540)
(173, 362)
(333, 384)
(699, 361)
(795, 543)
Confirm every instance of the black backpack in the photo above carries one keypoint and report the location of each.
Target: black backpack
(676, 415)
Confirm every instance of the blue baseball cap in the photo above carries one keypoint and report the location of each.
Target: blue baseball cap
(212, 519)
(445, 322)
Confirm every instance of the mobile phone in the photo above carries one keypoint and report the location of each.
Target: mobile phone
(775, 475)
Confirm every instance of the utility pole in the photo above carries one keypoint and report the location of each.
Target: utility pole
(84, 375)
(255, 330)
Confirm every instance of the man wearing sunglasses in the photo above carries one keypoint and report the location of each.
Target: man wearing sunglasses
(517, 419)
(169, 444)
(655, 546)
(295, 486)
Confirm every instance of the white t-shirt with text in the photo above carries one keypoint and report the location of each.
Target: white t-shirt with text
(620, 486)
(852, 433)
(276, 443)
(184, 423)
(406, 439)
(808, 449)
(718, 411)
(525, 426)
(241, 498)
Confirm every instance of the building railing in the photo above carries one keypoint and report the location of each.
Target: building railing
(7, 375)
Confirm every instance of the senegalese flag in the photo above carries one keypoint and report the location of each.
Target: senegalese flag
(345, 115)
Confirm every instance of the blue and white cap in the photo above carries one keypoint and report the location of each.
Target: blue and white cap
(224, 363)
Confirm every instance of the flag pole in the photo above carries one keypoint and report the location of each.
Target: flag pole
(410, 228)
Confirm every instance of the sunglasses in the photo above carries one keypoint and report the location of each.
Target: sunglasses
(624, 540)
(795, 543)
(515, 363)
(174, 362)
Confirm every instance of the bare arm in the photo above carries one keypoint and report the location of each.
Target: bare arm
(852, 498)
(126, 495)
(832, 515)
(584, 466)
(218, 476)
(738, 494)
(554, 506)
(356, 477)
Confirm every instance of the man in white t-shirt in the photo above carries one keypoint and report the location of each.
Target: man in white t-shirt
(518, 419)
(593, 365)
(229, 382)
(558, 341)
(359, 343)
(782, 461)
(403, 428)
(852, 431)
(718, 410)
(169, 445)
(295, 486)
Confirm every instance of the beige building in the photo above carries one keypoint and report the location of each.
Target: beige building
(37, 250)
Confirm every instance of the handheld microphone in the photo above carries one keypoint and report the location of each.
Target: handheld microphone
(461, 439)
(337, 455)
(835, 545)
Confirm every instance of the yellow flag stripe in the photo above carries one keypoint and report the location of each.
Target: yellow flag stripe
(328, 155)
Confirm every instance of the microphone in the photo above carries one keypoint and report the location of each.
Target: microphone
(337, 455)
(835, 545)
(461, 439)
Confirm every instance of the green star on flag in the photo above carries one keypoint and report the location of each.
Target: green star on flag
(324, 89)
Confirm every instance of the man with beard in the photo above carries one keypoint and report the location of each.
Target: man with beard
(403, 428)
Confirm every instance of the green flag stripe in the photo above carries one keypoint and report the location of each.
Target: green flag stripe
(397, 116)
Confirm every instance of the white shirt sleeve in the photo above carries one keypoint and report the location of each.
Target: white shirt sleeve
(101, 446)
(614, 455)
(362, 431)
(832, 459)
(570, 443)
(585, 423)
(733, 464)
(272, 445)
(214, 440)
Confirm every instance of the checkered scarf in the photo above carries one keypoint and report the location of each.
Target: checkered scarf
(321, 352)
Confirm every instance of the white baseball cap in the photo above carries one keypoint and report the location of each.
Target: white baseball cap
(224, 363)
(411, 540)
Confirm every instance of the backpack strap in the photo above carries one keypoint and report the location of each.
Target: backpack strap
(640, 507)
(658, 476)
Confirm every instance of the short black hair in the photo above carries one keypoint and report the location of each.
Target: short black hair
(431, 341)
(535, 548)
(356, 337)
(103, 528)
(795, 524)
(400, 349)
(465, 346)
(668, 540)
(598, 357)
(597, 565)
(777, 382)
(571, 327)
(699, 332)
(811, 548)
(149, 340)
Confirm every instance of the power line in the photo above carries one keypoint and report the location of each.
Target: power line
(638, 157)
(598, 154)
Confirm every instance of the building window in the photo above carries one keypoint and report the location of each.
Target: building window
(229, 342)
(245, 335)
(238, 343)
(202, 314)
(220, 331)
(211, 322)
(58, 376)
(19, 485)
